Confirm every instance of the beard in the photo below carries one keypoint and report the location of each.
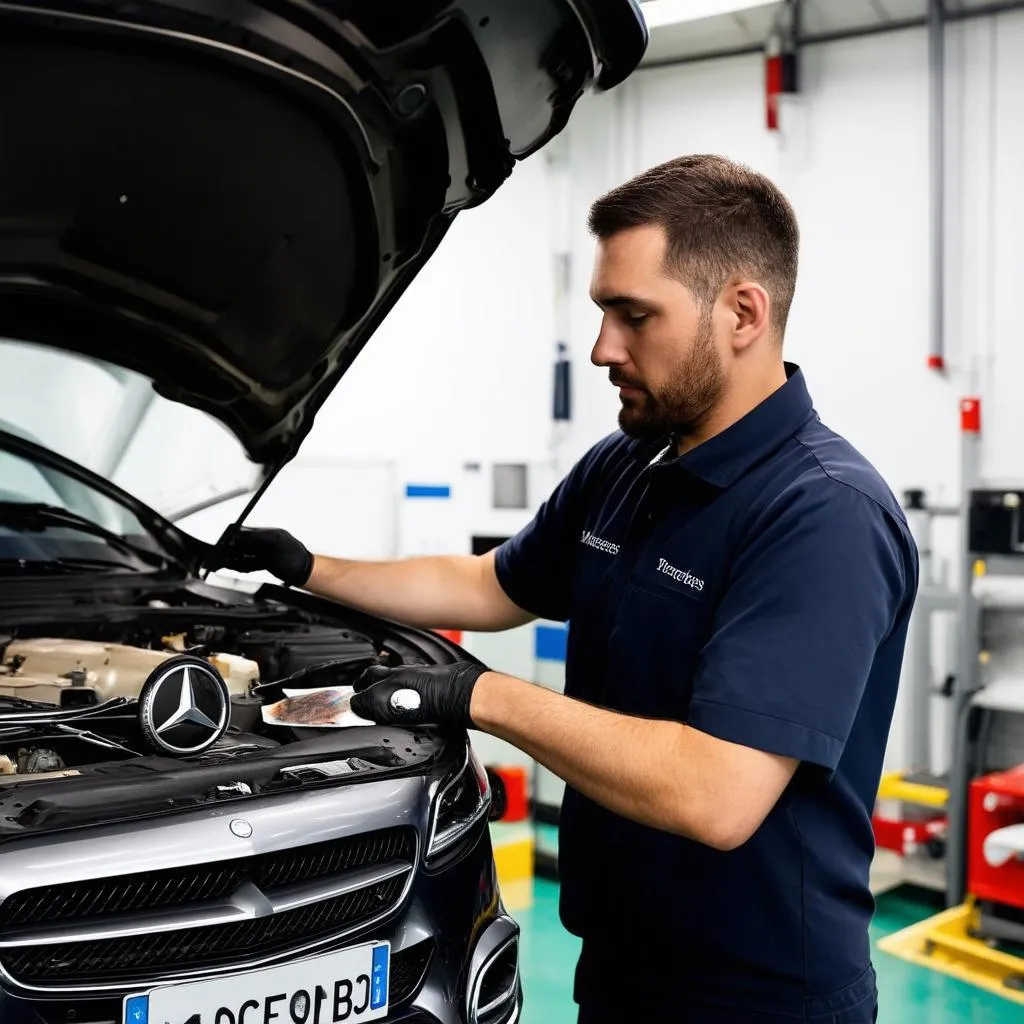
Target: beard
(683, 403)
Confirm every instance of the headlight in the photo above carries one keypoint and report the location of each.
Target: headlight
(460, 805)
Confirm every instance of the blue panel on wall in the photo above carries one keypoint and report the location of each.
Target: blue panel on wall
(549, 642)
(427, 491)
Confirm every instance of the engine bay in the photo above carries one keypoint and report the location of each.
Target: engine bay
(194, 673)
(79, 673)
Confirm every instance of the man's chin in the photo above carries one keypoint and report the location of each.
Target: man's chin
(639, 427)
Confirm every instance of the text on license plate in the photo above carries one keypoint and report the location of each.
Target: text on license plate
(350, 985)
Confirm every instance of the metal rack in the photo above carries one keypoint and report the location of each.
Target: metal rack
(988, 718)
(986, 690)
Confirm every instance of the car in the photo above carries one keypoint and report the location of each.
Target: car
(208, 207)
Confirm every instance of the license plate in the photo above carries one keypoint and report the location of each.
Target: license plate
(350, 985)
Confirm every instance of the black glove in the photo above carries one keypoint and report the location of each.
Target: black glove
(435, 695)
(276, 551)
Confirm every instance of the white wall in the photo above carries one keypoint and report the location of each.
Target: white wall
(463, 364)
(853, 157)
(986, 251)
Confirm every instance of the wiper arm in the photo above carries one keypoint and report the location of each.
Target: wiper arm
(60, 565)
(25, 515)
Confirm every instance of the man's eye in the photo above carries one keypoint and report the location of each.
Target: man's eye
(636, 318)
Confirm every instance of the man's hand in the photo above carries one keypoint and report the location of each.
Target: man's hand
(275, 551)
(438, 695)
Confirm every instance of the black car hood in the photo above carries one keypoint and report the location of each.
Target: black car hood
(229, 195)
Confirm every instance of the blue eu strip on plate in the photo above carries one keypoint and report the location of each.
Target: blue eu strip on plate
(136, 1010)
(379, 993)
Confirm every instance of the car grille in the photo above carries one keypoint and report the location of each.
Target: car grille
(304, 895)
(409, 969)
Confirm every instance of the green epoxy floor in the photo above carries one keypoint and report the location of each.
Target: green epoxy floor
(908, 994)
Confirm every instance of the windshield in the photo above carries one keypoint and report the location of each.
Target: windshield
(111, 421)
(46, 516)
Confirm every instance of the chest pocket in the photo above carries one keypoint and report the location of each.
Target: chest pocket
(663, 620)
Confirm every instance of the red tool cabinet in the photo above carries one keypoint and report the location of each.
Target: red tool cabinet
(995, 866)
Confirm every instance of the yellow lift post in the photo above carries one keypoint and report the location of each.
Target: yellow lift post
(946, 943)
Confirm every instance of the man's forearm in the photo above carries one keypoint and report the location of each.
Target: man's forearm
(663, 774)
(444, 592)
(619, 761)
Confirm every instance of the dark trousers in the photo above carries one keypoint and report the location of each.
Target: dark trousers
(857, 1004)
(596, 1013)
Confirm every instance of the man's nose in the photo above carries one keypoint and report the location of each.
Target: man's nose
(608, 349)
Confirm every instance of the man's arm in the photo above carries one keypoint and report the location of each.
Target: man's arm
(483, 593)
(443, 592)
(434, 592)
(779, 682)
(663, 774)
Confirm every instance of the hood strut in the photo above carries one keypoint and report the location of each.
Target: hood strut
(232, 529)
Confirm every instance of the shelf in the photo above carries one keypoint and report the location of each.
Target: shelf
(998, 565)
(1006, 695)
(895, 786)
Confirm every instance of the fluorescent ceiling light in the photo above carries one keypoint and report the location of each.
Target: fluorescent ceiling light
(658, 13)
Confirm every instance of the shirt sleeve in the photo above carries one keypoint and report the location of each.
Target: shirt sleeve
(811, 598)
(535, 566)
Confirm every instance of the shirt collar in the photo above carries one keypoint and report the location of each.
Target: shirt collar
(724, 458)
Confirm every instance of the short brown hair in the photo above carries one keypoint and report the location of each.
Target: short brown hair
(721, 218)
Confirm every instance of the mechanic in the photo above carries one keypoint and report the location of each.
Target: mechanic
(738, 580)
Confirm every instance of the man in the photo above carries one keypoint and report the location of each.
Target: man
(738, 581)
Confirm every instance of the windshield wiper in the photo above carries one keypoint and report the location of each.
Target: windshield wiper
(62, 565)
(35, 515)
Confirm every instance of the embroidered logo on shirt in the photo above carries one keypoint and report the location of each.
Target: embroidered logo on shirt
(599, 543)
(680, 575)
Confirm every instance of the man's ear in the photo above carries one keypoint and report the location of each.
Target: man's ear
(750, 306)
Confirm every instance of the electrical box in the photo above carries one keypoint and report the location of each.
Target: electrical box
(509, 486)
(995, 524)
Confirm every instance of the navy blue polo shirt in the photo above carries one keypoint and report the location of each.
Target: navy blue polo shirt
(757, 588)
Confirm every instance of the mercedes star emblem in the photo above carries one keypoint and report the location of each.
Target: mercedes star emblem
(184, 707)
(404, 701)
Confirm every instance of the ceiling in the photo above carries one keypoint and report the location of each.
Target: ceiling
(821, 20)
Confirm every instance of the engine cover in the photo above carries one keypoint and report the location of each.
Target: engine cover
(75, 672)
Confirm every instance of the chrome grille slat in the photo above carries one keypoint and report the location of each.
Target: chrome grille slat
(246, 902)
(127, 958)
(116, 895)
(181, 920)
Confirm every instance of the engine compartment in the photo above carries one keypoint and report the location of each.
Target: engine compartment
(74, 682)
(79, 673)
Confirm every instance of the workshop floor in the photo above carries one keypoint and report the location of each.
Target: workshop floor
(908, 994)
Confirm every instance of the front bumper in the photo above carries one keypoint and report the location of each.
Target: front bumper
(441, 997)
(454, 949)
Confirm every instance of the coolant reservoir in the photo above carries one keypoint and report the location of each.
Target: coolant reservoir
(239, 673)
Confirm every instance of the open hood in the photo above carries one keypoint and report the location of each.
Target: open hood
(227, 196)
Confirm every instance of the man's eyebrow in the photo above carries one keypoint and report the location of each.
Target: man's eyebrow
(617, 301)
